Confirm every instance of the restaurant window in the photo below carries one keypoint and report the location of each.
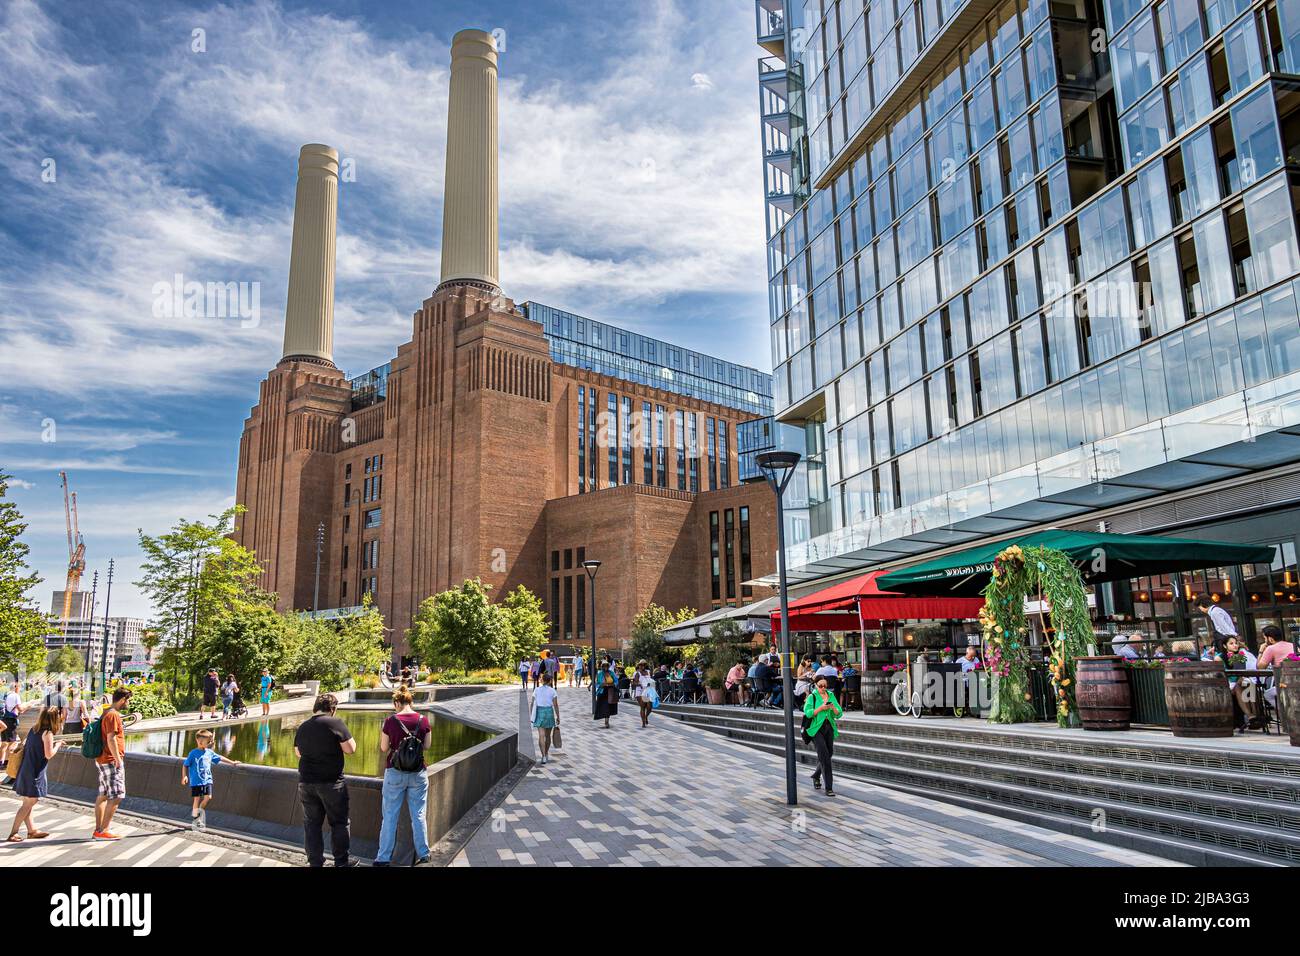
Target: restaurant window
(713, 555)
(746, 565)
(729, 539)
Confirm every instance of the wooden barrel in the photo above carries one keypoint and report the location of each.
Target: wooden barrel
(1102, 694)
(877, 686)
(1288, 698)
(1198, 698)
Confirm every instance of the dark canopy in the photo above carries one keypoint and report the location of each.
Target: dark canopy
(1099, 557)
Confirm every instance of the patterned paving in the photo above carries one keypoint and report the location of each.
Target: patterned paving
(143, 843)
(676, 795)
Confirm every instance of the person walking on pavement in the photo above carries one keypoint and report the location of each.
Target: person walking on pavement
(546, 715)
(643, 691)
(606, 691)
(319, 744)
(525, 667)
(111, 765)
(38, 750)
(10, 710)
(228, 691)
(822, 710)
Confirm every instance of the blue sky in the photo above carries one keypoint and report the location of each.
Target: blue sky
(630, 191)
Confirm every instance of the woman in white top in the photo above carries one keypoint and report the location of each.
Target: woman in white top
(546, 714)
(642, 683)
(78, 714)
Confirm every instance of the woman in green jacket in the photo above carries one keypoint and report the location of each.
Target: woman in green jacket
(822, 710)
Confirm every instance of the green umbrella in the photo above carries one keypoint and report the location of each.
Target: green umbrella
(1099, 557)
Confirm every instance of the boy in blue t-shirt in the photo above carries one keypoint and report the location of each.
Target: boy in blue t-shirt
(197, 772)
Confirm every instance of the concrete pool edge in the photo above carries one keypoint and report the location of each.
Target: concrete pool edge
(263, 801)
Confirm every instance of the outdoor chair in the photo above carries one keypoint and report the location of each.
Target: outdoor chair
(691, 689)
(853, 692)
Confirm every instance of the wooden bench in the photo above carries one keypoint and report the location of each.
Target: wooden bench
(295, 690)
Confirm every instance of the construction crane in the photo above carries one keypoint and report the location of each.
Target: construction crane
(76, 550)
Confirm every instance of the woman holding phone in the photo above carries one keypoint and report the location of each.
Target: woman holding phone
(822, 710)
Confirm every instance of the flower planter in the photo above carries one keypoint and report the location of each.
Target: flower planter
(982, 705)
(716, 695)
(1147, 687)
(1198, 698)
(1288, 698)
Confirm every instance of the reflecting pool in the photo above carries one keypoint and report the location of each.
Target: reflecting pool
(270, 742)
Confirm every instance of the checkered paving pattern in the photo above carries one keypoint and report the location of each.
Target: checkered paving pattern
(677, 795)
(69, 842)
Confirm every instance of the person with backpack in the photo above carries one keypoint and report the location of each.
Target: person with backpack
(404, 739)
(546, 715)
(105, 740)
(10, 710)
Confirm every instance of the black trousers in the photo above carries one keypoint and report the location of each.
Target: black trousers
(321, 802)
(824, 742)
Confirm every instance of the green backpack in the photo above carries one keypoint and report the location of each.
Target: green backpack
(92, 739)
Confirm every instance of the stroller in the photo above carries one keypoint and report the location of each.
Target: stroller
(237, 706)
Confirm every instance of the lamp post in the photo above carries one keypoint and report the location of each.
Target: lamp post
(103, 660)
(320, 544)
(90, 631)
(591, 567)
(778, 468)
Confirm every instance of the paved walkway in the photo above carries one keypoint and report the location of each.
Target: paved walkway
(143, 843)
(677, 795)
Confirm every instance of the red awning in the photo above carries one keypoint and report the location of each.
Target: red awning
(839, 607)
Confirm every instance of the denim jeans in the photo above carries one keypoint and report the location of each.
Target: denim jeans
(322, 801)
(411, 788)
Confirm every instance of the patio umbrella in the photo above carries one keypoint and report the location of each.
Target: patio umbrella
(1099, 558)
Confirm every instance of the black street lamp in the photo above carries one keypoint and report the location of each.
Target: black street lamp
(778, 467)
(591, 567)
(103, 660)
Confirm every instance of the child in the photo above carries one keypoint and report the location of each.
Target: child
(197, 772)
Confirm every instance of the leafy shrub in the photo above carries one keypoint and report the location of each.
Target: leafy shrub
(366, 681)
(149, 701)
(492, 675)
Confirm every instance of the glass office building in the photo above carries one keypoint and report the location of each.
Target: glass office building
(1029, 262)
(586, 343)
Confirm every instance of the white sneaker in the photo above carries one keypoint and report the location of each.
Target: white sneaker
(203, 819)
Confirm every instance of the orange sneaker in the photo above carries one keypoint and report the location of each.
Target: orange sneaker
(105, 835)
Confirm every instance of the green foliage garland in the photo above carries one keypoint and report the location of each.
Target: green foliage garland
(1049, 576)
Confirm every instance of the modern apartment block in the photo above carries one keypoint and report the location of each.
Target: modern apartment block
(1034, 264)
(501, 442)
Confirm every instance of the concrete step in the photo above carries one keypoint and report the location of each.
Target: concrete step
(1248, 788)
(1199, 826)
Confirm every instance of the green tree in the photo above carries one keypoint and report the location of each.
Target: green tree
(241, 642)
(460, 628)
(66, 660)
(725, 646)
(195, 576)
(22, 626)
(526, 623)
(648, 628)
(332, 651)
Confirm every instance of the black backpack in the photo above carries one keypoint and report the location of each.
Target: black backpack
(409, 755)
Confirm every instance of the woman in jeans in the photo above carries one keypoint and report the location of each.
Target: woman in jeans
(822, 710)
(404, 786)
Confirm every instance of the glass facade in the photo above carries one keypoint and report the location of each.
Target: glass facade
(586, 343)
(999, 260)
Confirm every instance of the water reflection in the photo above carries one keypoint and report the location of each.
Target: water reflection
(270, 742)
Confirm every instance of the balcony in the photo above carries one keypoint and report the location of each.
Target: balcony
(770, 26)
